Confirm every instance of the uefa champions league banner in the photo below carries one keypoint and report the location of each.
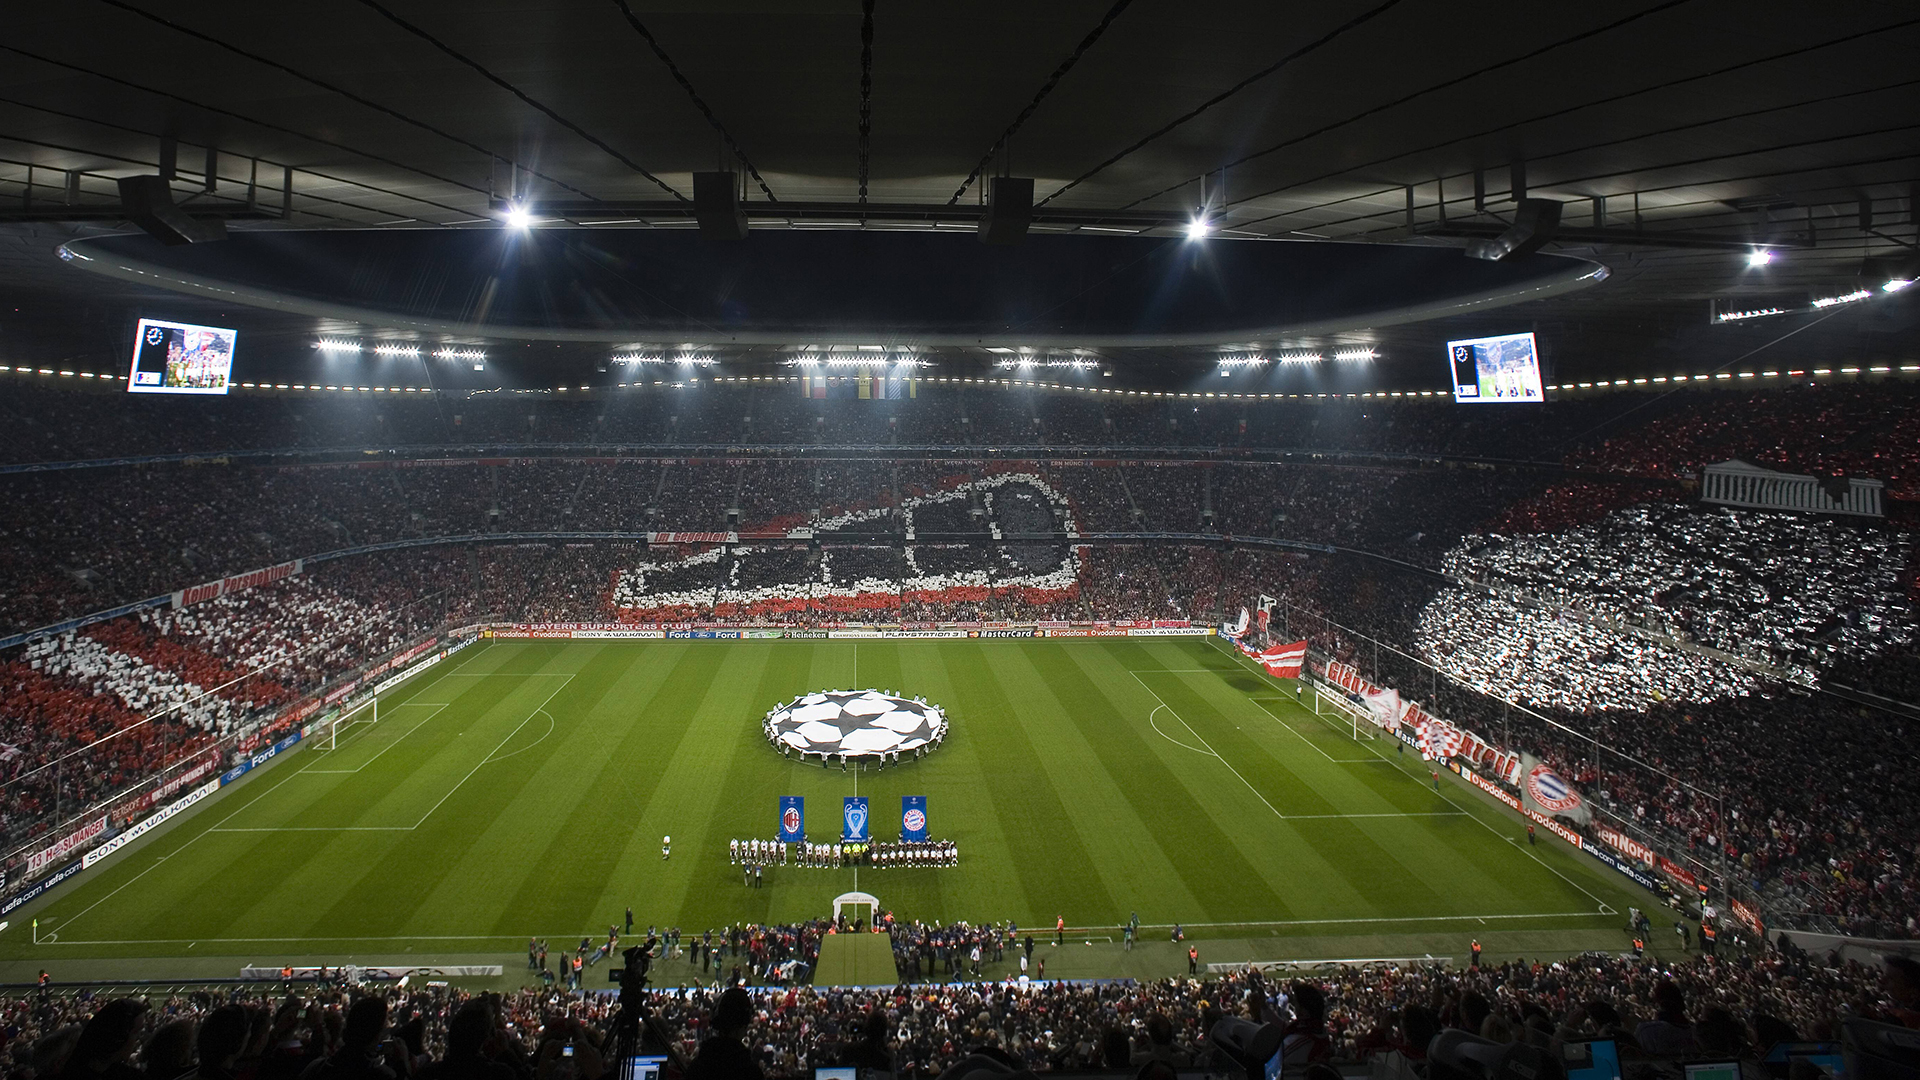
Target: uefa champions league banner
(913, 818)
(793, 819)
(853, 820)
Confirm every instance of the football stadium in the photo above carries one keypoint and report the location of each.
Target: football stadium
(613, 540)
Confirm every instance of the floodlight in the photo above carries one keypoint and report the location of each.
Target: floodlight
(1198, 228)
(518, 217)
(1759, 257)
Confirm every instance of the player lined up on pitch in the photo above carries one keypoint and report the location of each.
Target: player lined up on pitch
(879, 854)
(757, 852)
(886, 855)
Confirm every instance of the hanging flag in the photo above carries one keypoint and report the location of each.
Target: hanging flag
(793, 819)
(1283, 661)
(1543, 791)
(853, 820)
(913, 818)
(1385, 708)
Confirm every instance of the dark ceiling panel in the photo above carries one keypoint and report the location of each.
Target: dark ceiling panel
(1687, 116)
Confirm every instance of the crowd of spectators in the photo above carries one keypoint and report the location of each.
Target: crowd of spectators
(1605, 616)
(1607, 587)
(1701, 1009)
(1794, 799)
(1866, 429)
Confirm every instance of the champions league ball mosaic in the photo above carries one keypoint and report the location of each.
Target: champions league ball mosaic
(857, 723)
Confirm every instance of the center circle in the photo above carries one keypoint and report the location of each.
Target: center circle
(855, 723)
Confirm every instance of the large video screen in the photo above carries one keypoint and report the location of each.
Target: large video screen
(180, 358)
(1496, 369)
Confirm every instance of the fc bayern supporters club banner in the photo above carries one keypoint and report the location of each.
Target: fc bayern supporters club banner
(793, 819)
(853, 820)
(1543, 791)
(913, 817)
(1282, 661)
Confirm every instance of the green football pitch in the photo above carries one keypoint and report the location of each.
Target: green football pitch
(522, 788)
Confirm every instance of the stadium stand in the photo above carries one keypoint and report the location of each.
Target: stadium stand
(1602, 577)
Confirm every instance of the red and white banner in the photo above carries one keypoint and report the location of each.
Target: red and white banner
(1282, 661)
(1624, 844)
(1435, 737)
(65, 846)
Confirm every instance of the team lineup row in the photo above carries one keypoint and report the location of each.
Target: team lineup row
(879, 854)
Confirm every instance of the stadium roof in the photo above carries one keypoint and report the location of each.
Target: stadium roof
(1678, 137)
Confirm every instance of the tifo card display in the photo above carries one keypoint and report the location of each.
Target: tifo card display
(1495, 369)
(180, 358)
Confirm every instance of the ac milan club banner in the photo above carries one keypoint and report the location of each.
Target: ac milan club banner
(793, 819)
(913, 818)
(1543, 791)
(1281, 661)
(853, 820)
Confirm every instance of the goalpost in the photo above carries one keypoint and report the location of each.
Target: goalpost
(1326, 705)
(366, 710)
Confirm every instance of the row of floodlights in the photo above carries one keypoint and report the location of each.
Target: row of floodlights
(1025, 363)
(1822, 303)
(1298, 356)
(1602, 384)
(858, 361)
(1795, 373)
(478, 357)
(683, 359)
(1817, 304)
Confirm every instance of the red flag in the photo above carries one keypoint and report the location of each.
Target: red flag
(1283, 661)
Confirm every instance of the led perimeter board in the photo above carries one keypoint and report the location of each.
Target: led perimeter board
(1495, 369)
(180, 358)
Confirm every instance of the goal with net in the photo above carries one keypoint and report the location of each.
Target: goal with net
(1340, 711)
(336, 723)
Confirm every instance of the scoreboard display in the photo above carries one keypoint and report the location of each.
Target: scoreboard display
(1491, 370)
(180, 358)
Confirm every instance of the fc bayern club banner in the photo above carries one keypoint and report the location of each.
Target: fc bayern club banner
(913, 817)
(1542, 790)
(793, 819)
(853, 820)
